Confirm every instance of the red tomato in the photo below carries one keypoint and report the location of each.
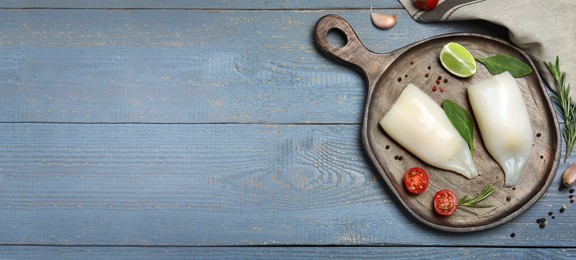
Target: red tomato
(416, 180)
(445, 202)
(425, 5)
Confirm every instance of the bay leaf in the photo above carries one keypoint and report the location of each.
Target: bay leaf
(504, 62)
(461, 120)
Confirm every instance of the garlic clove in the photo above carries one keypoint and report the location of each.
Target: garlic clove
(383, 21)
(569, 176)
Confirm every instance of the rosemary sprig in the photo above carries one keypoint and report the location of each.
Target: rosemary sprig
(564, 101)
(473, 202)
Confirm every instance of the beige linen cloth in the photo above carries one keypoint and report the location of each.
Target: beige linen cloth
(543, 28)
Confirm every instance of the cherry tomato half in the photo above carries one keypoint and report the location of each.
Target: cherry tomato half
(416, 180)
(425, 5)
(445, 202)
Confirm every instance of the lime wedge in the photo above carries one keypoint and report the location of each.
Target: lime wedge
(457, 60)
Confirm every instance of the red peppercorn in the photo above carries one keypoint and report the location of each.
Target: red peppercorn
(442, 89)
(437, 81)
(434, 88)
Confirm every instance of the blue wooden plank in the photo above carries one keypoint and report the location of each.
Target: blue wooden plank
(229, 184)
(202, 4)
(183, 66)
(92, 185)
(30, 252)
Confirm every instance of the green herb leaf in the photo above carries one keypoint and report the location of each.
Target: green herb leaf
(503, 62)
(461, 120)
(473, 202)
(563, 100)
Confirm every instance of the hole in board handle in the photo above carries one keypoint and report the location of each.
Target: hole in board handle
(337, 38)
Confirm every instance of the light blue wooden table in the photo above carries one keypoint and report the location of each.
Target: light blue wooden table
(211, 129)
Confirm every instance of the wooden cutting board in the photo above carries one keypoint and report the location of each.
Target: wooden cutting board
(387, 74)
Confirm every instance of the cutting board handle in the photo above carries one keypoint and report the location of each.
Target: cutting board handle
(353, 51)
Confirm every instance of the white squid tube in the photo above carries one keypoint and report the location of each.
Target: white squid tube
(420, 125)
(504, 123)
